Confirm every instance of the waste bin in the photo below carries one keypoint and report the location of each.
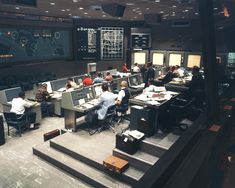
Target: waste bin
(2, 135)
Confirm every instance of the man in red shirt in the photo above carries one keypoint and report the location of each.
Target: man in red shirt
(124, 68)
(87, 80)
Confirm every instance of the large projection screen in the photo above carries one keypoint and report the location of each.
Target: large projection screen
(193, 60)
(175, 59)
(158, 58)
(139, 57)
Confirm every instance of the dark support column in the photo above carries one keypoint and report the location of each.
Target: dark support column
(209, 57)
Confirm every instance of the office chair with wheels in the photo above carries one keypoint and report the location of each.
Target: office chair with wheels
(178, 110)
(121, 112)
(107, 122)
(18, 122)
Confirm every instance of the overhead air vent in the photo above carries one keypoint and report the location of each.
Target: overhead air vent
(180, 24)
(114, 9)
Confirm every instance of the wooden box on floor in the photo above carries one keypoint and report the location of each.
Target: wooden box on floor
(51, 134)
(115, 164)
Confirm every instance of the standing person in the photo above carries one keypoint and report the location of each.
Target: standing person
(87, 80)
(149, 74)
(42, 96)
(20, 106)
(136, 68)
(99, 79)
(124, 68)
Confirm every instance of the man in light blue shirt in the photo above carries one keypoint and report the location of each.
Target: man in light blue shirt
(98, 79)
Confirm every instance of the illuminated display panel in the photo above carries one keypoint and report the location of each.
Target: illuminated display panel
(175, 59)
(158, 58)
(139, 57)
(194, 60)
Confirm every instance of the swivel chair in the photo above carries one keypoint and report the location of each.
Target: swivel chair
(19, 123)
(107, 122)
(178, 110)
(122, 109)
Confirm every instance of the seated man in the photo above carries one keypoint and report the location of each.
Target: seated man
(71, 82)
(42, 96)
(20, 106)
(136, 68)
(108, 77)
(123, 98)
(106, 100)
(99, 79)
(87, 80)
(69, 87)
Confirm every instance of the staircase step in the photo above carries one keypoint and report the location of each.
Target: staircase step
(77, 168)
(93, 156)
(151, 148)
(140, 160)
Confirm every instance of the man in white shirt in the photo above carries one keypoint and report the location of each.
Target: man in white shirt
(19, 106)
(136, 68)
(106, 100)
(122, 101)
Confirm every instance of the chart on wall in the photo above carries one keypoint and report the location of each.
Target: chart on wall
(87, 43)
(18, 44)
(111, 43)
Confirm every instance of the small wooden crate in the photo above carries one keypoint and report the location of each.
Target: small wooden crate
(115, 164)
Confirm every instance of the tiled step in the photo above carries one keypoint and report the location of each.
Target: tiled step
(93, 156)
(140, 160)
(89, 174)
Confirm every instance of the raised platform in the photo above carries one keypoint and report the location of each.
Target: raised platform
(82, 155)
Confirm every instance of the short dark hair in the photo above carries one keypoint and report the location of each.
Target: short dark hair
(107, 73)
(195, 69)
(99, 74)
(70, 79)
(21, 94)
(105, 87)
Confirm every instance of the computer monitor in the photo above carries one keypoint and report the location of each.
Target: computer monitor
(88, 92)
(114, 85)
(78, 79)
(78, 97)
(133, 81)
(193, 60)
(11, 93)
(98, 90)
(231, 59)
(58, 84)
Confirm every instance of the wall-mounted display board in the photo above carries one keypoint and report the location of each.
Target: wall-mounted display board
(140, 38)
(27, 45)
(139, 57)
(111, 43)
(88, 43)
(158, 58)
(105, 43)
(231, 59)
(193, 60)
(175, 59)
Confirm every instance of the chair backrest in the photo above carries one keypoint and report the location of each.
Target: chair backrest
(111, 111)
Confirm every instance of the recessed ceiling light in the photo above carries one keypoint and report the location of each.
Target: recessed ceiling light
(85, 13)
(186, 10)
(52, 3)
(174, 6)
(70, 14)
(46, 11)
(75, 1)
(17, 8)
(80, 8)
(140, 13)
(147, 8)
(157, 1)
(161, 12)
(62, 10)
(68, 9)
(196, 13)
(215, 8)
(130, 4)
(103, 15)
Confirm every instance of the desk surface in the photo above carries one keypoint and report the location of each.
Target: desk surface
(152, 99)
